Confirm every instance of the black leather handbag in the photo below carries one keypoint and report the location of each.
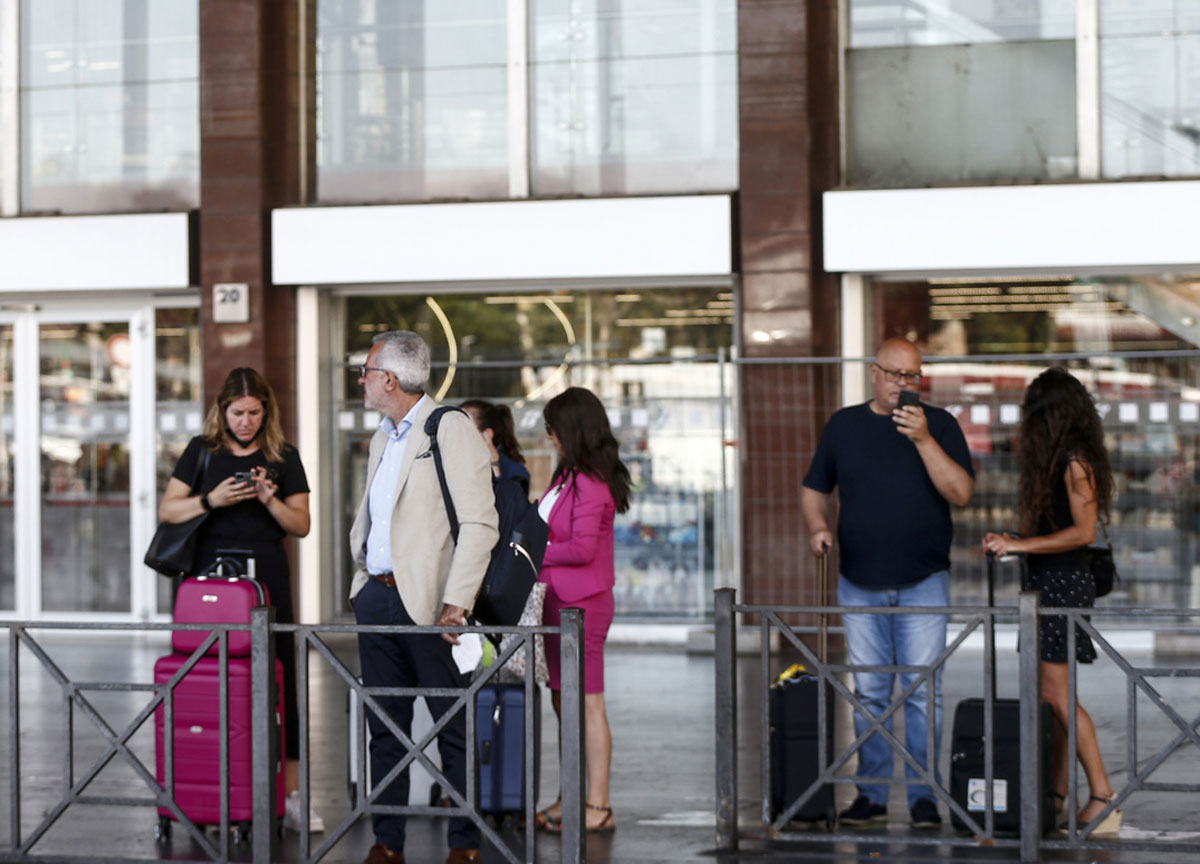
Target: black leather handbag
(172, 549)
(1103, 567)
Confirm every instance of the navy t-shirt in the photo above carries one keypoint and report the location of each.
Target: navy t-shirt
(894, 526)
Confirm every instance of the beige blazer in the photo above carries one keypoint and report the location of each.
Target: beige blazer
(430, 569)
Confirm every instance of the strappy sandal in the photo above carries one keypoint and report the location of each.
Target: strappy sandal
(543, 821)
(1061, 817)
(1111, 824)
(606, 824)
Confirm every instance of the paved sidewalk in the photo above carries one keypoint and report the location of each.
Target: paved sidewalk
(660, 705)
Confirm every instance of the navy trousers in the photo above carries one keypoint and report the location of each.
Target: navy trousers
(409, 661)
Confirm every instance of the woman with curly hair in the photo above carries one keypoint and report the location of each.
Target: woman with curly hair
(1065, 487)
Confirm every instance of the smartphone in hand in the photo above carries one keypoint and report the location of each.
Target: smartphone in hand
(909, 397)
(245, 477)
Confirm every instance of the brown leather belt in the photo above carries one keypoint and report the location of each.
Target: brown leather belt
(386, 578)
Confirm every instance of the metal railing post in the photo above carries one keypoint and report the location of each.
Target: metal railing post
(265, 746)
(1030, 689)
(725, 660)
(572, 762)
(14, 736)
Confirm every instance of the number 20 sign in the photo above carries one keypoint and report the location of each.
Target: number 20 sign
(231, 302)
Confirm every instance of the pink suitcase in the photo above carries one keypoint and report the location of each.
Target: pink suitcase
(198, 743)
(219, 600)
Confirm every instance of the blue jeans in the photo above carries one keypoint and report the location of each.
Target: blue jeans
(896, 640)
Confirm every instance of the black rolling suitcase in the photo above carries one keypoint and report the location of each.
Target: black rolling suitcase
(968, 783)
(792, 708)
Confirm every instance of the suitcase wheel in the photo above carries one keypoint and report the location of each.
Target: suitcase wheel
(162, 831)
(241, 834)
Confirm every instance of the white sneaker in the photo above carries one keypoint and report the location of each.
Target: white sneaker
(291, 815)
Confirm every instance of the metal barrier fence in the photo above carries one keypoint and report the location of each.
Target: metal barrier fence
(1030, 841)
(266, 757)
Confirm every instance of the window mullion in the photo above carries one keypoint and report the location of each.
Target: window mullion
(1087, 88)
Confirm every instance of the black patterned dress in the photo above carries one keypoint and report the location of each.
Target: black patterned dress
(1064, 580)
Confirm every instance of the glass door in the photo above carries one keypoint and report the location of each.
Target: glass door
(84, 387)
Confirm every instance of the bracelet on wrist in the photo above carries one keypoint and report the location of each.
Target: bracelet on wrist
(205, 503)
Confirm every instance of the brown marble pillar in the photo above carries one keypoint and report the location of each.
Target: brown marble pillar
(788, 107)
(253, 99)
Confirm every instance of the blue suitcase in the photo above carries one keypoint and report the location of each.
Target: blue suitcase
(500, 746)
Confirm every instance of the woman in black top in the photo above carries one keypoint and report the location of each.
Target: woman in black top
(242, 434)
(1066, 485)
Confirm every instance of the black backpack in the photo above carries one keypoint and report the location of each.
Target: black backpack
(517, 555)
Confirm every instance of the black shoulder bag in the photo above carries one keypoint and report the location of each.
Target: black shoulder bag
(172, 550)
(1102, 565)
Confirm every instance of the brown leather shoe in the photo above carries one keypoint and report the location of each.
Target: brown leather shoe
(463, 856)
(380, 854)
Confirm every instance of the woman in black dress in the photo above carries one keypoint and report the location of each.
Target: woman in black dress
(242, 435)
(1066, 485)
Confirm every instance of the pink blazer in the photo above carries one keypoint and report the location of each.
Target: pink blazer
(579, 557)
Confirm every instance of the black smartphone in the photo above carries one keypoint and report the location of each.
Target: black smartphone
(245, 477)
(909, 397)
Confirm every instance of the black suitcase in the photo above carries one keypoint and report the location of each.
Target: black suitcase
(968, 779)
(792, 709)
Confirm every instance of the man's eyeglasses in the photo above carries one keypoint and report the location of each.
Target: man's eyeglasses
(364, 369)
(894, 375)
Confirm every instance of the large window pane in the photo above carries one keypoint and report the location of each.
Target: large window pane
(636, 350)
(109, 105)
(412, 99)
(634, 98)
(7, 539)
(1150, 87)
(960, 92)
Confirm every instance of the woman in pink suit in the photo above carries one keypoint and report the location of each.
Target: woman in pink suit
(589, 487)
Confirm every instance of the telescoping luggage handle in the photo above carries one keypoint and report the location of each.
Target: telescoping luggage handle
(822, 593)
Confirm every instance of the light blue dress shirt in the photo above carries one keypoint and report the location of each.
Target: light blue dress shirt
(381, 501)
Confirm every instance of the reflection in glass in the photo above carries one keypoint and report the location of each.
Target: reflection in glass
(178, 409)
(664, 409)
(7, 539)
(877, 23)
(1139, 363)
(412, 100)
(633, 98)
(109, 105)
(1150, 88)
(84, 379)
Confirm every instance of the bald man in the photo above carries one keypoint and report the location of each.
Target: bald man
(897, 470)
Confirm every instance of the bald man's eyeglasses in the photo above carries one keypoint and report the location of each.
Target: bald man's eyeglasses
(894, 375)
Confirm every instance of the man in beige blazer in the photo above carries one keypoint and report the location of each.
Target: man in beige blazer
(409, 570)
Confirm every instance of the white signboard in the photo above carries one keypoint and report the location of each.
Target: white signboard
(231, 302)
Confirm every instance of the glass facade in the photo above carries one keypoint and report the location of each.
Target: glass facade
(646, 353)
(1143, 368)
(1150, 87)
(633, 98)
(960, 92)
(413, 99)
(110, 115)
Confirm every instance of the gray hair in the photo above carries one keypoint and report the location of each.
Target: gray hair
(405, 355)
